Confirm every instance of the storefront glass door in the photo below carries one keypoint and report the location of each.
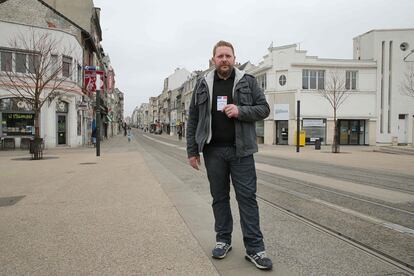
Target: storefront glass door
(351, 132)
(282, 133)
(61, 129)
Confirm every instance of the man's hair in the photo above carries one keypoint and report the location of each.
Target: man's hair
(222, 43)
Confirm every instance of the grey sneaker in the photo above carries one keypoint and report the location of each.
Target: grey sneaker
(220, 250)
(260, 260)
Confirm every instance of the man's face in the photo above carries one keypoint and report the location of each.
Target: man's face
(224, 61)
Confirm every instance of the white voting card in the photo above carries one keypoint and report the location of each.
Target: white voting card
(221, 102)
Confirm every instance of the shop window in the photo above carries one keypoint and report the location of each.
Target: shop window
(18, 124)
(260, 128)
(315, 129)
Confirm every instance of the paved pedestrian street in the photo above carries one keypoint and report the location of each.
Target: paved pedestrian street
(87, 215)
(139, 209)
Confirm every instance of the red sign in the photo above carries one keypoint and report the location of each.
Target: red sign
(90, 80)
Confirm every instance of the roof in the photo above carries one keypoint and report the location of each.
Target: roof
(385, 30)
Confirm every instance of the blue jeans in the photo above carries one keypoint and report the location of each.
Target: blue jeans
(221, 164)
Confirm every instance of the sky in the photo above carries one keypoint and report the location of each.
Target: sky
(147, 40)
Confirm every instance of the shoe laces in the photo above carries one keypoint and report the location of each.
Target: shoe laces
(261, 255)
(220, 245)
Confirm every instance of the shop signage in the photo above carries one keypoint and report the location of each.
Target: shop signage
(90, 80)
(19, 116)
(82, 105)
(281, 112)
(313, 123)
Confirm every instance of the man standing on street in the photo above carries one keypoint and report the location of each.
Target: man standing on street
(224, 107)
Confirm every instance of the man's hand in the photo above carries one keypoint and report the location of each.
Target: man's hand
(194, 161)
(231, 110)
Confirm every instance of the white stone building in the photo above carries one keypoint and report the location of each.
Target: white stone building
(393, 52)
(288, 75)
(60, 118)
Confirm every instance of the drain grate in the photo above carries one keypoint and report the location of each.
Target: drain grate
(87, 163)
(9, 201)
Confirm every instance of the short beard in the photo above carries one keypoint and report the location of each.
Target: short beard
(224, 74)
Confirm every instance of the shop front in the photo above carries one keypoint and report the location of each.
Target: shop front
(17, 123)
(352, 132)
(315, 129)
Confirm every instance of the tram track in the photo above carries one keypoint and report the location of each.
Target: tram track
(375, 178)
(349, 240)
(180, 156)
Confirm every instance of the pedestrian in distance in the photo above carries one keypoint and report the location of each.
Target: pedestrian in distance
(180, 132)
(225, 105)
(129, 134)
(93, 136)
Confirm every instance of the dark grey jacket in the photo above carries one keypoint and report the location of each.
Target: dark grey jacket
(252, 105)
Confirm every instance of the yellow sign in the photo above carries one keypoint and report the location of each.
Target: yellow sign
(302, 137)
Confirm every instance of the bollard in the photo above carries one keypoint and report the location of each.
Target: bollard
(317, 144)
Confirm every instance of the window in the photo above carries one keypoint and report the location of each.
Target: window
(21, 63)
(261, 80)
(79, 74)
(66, 66)
(34, 63)
(351, 80)
(6, 61)
(282, 80)
(313, 79)
(54, 60)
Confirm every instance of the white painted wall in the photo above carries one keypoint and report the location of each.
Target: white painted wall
(67, 45)
(287, 60)
(370, 47)
(176, 79)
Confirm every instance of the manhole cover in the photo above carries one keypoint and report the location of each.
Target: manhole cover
(9, 201)
(87, 163)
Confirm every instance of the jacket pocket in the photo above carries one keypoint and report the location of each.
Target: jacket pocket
(245, 96)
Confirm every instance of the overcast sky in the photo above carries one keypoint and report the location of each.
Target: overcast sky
(147, 39)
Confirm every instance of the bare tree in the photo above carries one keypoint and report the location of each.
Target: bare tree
(407, 86)
(34, 72)
(335, 93)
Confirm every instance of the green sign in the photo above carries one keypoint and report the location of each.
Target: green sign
(19, 116)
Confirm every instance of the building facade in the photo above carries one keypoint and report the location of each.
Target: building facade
(60, 117)
(288, 75)
(374, 108)
(391, 49)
